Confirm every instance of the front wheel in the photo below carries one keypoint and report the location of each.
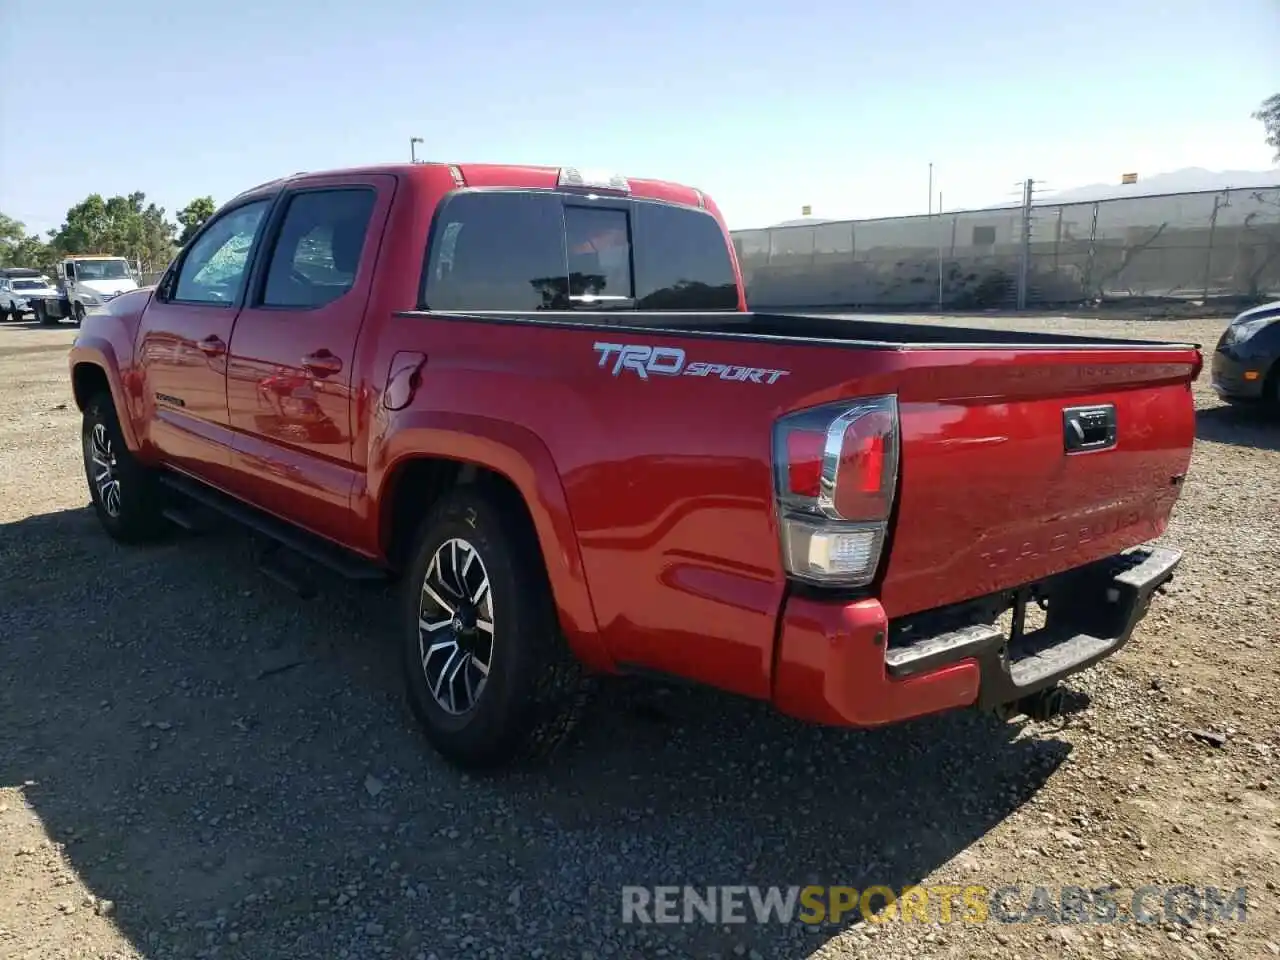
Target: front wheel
(487, 671)
(125, 494)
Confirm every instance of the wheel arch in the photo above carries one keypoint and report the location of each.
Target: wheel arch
(430, 454)
(87, 381)
(93, 366)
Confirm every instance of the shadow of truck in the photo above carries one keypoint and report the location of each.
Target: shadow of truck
(234, 769)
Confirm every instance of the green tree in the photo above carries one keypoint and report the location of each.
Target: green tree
(12, 233)
(121, 226)
(21, 249)
(33, 252)
(1269, 114)
(192, 217)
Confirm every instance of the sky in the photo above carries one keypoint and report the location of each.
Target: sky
(766, 106)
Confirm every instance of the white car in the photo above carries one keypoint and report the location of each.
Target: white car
(17, 293)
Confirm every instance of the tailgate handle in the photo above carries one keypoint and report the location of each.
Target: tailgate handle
(1089, 428)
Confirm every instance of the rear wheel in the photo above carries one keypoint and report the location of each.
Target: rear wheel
(487, 671)
(77, 311)
(125, 494)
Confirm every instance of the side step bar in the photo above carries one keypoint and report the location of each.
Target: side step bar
(330, 555)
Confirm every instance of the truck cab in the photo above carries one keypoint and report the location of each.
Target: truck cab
(92, 280)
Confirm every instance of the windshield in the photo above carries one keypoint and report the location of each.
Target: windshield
(29, 284)
(102, 270)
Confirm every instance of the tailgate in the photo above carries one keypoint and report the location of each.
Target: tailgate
(1020, 463)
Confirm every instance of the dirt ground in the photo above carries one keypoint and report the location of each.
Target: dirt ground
(196, 763)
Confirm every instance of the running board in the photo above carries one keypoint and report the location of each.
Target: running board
(181, 518)
(274, 564)
(327, 554)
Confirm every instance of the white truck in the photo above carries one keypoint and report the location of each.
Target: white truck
(91, 280)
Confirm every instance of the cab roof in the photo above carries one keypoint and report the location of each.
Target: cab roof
(485, 175)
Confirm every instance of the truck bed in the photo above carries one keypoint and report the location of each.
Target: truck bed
(870, 331)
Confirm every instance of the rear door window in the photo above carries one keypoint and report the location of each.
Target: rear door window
(499, 251)
(522, 250)
(318, 250)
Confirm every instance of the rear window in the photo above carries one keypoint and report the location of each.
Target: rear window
(522, 250)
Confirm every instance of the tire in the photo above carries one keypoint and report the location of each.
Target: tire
(530, 693)
(10, 314)
(42, 314)
(77, 312)
(131, 510)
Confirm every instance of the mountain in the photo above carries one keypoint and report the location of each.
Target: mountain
(1190, 180)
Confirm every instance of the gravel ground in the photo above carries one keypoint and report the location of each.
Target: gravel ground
(195, 763)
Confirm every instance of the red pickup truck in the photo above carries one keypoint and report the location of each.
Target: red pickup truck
(537, 398)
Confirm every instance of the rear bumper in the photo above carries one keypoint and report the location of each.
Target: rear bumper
(846, 664)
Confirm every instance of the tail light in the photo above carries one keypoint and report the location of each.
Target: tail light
(835, 472)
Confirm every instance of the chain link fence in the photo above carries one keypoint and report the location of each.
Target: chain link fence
(1207, 245)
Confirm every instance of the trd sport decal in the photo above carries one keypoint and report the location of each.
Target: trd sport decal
(670, 362)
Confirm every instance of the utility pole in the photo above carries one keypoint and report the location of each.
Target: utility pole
(931, 189)
(413, 153)
(1024, 259)
(939, 250)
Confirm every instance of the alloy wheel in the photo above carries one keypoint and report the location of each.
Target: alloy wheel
(455, 626)
(106, 477)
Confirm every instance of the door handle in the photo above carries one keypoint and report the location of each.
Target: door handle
(322, 363)
(213, 346)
